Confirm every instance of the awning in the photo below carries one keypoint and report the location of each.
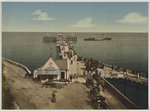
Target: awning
(45, 72)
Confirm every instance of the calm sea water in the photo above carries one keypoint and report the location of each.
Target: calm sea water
(129, 50)
(136, 92)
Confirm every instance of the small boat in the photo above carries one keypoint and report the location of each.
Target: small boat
(71, 42)
(58, 43)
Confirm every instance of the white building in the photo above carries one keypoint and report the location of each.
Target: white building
(53, 69)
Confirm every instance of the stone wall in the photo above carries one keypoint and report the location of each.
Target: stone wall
(18, 65)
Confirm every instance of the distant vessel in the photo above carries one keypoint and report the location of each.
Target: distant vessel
(93, 39)
(107, 38)
(89, 39)
(97, 38)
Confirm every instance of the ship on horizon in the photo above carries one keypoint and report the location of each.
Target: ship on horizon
(95, 38)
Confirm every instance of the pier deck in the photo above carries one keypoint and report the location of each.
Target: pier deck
(54, 39)
(112, 101)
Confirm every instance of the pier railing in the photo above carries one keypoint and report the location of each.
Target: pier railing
(129, 104)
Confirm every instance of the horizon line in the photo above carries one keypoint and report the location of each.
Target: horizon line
(77, 32)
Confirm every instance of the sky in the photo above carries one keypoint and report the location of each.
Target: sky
(75, 16)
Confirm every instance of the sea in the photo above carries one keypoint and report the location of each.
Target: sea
(127, 50)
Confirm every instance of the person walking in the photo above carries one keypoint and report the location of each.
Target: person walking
(138, 75)
(112, 67)
(98, 82)
(71, 78)
(124, 70)
(103, 86)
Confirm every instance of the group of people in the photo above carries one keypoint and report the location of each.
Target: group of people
(94, 82)
(124, 70)
(118, 68)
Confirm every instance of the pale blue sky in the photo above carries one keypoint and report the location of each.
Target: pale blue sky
(75, 17)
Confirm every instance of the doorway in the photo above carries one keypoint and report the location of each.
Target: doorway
(62, 75)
